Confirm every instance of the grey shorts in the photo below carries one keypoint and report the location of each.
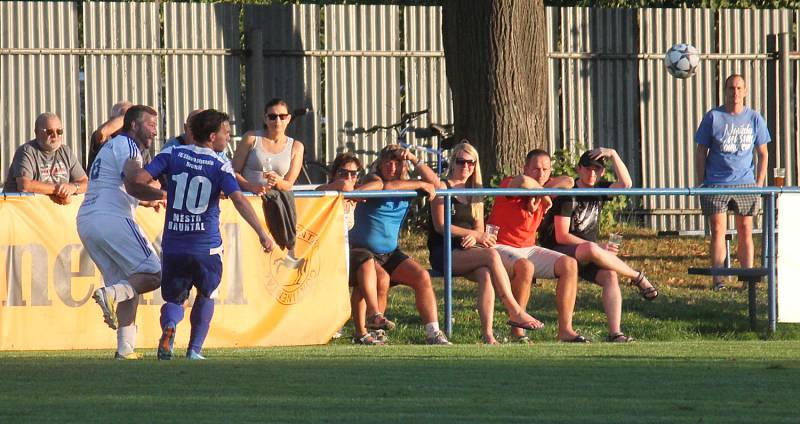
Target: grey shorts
(740, 204)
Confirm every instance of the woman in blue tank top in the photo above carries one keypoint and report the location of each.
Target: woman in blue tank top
(377, 225)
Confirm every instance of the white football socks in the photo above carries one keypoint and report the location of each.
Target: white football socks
(126, 339)
(121, 291)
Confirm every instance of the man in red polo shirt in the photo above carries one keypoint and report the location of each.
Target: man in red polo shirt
(519, 219)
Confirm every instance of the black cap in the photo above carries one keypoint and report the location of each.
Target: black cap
(585, 160)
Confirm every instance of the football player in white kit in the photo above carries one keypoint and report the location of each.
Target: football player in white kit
(127, 261)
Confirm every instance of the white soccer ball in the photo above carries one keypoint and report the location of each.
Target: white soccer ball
(681, 60)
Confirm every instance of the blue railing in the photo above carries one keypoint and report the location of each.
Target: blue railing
(768, 245)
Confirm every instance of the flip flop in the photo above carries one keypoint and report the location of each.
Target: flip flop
(529, 325)
(576, 339)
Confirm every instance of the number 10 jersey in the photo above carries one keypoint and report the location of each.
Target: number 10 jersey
(195, 177)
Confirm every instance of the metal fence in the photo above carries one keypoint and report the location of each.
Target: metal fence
(357, 66)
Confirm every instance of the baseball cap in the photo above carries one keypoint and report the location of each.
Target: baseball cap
(585, 160)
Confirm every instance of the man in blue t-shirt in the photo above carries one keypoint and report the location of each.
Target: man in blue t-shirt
(726, 140)
(191, 243)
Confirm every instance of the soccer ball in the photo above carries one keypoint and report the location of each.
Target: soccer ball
(681, 60)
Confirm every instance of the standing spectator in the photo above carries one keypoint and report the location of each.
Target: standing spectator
(127, 261)
(269, 159)
(726, 139)
(519, 219)
(192, 244)
(377, 227)
(186, 137)
(109, 129)
(571, 227)
(45, 165)
(472, 253)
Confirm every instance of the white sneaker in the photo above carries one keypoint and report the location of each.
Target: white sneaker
(438, 338)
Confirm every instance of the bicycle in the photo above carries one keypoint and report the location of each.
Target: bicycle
(442, 132)
(420, 212)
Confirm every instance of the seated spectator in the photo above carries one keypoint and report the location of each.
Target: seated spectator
(472, 255)
(377, 227)
(518, 218)
(370, 281)
(571, 228)
(45, 165)
(108, 130)
(269, 159)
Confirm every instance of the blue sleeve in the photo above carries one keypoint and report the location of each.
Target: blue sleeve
(762, 131)
(703, 134)
(159, 164)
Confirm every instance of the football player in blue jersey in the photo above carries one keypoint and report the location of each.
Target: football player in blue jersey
(192, 244)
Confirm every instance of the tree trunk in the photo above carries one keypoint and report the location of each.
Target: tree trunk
(495, 51)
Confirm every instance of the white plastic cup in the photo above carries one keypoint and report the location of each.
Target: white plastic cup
(615, 239)
(492, 229)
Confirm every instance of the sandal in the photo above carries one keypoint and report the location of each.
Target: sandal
(647, 293)
(520, 339)
(619, 338)
(380, 336)
(379, 322)
(367, 339)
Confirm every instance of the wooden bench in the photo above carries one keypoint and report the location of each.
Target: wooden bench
(750, 275)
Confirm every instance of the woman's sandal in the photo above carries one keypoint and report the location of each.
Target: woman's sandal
(647, 293)
(619, 338)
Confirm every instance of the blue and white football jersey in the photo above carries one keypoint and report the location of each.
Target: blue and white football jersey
(195, 177)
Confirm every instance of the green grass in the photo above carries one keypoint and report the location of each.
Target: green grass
(696, 360)
(693, 381)
(686, 309)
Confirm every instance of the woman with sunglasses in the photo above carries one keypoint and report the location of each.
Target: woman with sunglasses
(472, 256)
(268, 159)
(369, 281)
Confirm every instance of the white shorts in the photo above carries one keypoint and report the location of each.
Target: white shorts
(543, 260)
(118, 247)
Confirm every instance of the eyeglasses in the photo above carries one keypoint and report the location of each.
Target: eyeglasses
(462, 162)
(346, 173)
(274, 116)
(52, 132)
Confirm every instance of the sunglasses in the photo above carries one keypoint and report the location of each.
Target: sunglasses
(346, 173)
(462, 162)
(274, 116)
(52, 132)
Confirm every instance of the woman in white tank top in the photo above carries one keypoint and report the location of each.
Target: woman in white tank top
(268, 159)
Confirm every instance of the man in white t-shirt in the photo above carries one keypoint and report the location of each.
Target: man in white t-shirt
(116, 244)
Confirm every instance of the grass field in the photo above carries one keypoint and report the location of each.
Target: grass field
(695, 360)
(692, 381)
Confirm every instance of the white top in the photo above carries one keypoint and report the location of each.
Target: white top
(106, 194)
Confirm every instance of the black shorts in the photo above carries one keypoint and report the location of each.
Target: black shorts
(588, 272)
(388, 261)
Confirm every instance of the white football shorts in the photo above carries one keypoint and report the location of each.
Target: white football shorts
(118, 247)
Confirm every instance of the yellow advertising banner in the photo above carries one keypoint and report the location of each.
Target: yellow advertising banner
(47, 281)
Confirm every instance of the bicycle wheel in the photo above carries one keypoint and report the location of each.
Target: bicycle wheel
(313, 172)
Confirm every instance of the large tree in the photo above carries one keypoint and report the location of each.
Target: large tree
(497, 69)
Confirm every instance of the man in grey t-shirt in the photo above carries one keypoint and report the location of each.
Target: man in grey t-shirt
(45, 165)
